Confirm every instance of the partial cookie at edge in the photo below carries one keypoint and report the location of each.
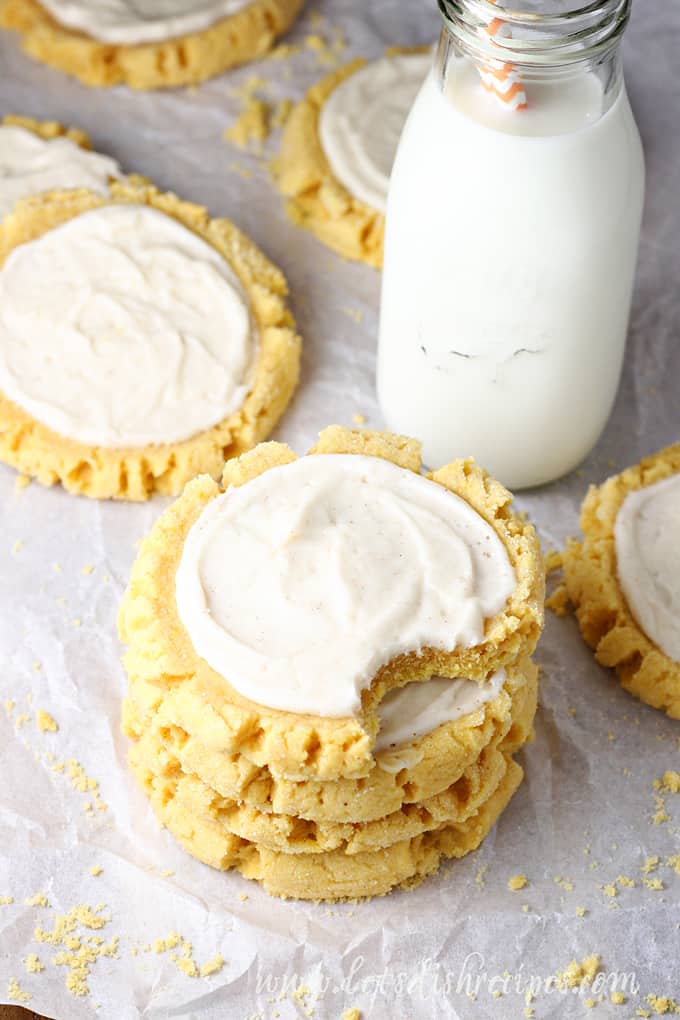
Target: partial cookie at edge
(604, 617)
(185, 60)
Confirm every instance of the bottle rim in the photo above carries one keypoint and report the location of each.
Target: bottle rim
(561, 38)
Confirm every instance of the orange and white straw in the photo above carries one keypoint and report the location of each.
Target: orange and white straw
(498, 76)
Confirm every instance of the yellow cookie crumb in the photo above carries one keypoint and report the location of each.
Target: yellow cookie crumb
(78, 952)
(5, 901)
(96, 870)
(662, 1004)
(212, 966)
(33, 964)
(45, 722)
(252, 124)
(669, 783)
(39, 900)
(618, 998)
(517, 882)
(577, 975)
(15, 992)
(22, 482)
(674, 862)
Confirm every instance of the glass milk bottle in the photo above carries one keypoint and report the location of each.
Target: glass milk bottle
(513, 223)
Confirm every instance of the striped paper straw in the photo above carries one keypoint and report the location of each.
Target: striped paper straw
(498, 76)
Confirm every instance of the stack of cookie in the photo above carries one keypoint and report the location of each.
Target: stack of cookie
(329, 664)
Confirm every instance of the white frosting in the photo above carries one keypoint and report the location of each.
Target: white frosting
(30, 165)
(131, 22)
(122, 328)
(410, 712)
(298, 586)
(362, 119)
(647, 538)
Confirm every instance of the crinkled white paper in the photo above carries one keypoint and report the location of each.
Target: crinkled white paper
(582, 817)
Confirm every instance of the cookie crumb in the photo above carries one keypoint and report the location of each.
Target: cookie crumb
(78, 952)
(662, 1004)
(581, 911)
(33, 964)
(669, 783)
(39, 900)
(252, 124)
(359, 419)
(212, 966)
(517, 882)
(352, 1014)
(22, 482)
(578, 975)
(96, 870)
(618, 998)
(674, 862)
(45, 722)
(5, 901)
(15, 992)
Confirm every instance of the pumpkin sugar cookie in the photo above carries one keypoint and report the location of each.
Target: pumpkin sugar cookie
(310, 545)
(411, 773)
(291, 835)
(624, 577)
(147, 44)
(38, 156)
(338, 148)
(330, 876)
(181, 353)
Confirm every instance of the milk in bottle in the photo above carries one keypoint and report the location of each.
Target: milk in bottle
(513, 221)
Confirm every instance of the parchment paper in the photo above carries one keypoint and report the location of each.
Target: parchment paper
(582, 817)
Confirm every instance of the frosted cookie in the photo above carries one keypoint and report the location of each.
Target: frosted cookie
(314, 590)
(338, 148)
(623, 578)
(406, 774)
(148, 44)
(175, 348)
(39, 156)
(335, 875)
